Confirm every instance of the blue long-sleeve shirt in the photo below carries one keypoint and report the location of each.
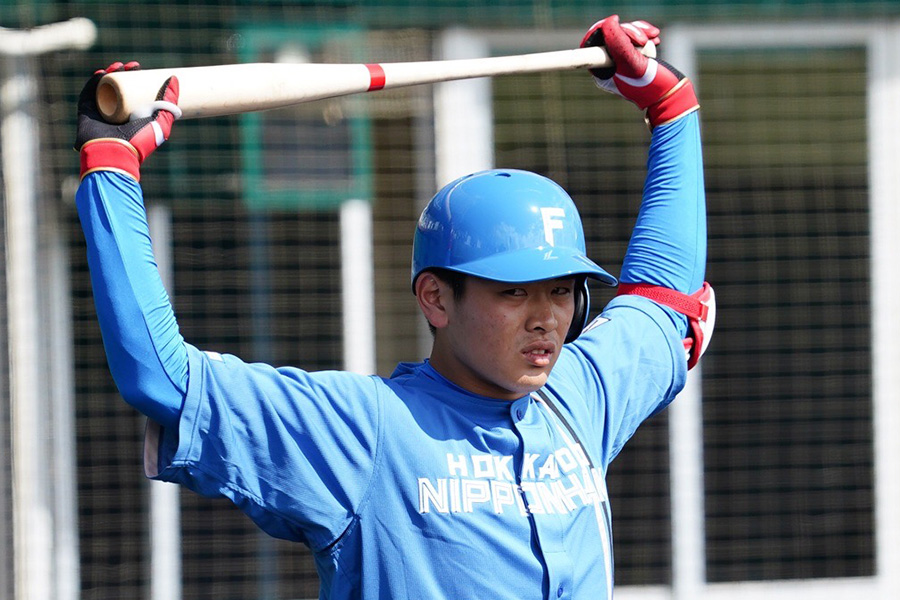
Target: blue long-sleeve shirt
(410, 486)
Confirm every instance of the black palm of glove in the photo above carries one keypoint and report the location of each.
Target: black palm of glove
(123, 148)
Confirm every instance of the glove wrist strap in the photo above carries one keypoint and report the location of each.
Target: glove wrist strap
(110, 154)
(676, 103)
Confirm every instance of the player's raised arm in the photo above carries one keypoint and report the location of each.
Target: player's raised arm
(145, 351)
(666, 256)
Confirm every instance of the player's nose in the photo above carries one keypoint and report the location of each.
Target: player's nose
(541, 313)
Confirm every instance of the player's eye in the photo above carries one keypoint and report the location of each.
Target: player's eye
(514, 292)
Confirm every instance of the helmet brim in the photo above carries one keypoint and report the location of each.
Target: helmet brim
(535, 264)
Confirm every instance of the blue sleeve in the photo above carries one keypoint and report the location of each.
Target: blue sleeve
(295, 451)
(145, 351)
(632, 357)
(668, 244)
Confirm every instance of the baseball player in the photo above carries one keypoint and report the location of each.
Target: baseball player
(480, 472)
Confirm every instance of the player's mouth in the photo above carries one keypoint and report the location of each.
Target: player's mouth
(539, 355)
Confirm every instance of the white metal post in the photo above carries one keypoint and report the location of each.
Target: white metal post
(59, 336)
(686, 469)
(164, 498)
(44, 502)
(687, 491)
(882, 41)
(32, 505)
(357, 287)
(463, 122)
(463, 112)
(884, 187)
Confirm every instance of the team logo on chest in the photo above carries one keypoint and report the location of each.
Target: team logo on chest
(560, 482)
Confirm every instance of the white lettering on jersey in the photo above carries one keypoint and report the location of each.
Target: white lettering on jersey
(560, 482)
(483, 466)
(475, 491)
(429, 496)
(501, 465)
(502, 494)
(528, 467)
(457, 465)
(549, 469)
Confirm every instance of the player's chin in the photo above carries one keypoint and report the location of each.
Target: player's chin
(531, 382)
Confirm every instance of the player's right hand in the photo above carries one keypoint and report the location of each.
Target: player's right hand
(123, 148)
(653, 85)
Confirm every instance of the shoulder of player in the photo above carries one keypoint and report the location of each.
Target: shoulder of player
(628, 323)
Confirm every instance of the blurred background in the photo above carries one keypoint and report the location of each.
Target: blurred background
(284, 237)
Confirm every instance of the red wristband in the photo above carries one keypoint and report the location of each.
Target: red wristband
(110, 154)
(679, 101)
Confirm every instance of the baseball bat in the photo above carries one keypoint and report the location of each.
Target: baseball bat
(230, 89)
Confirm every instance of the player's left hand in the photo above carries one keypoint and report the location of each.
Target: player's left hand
(123, 148)
(653, 85)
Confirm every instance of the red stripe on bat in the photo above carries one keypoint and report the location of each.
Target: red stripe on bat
(376, 74)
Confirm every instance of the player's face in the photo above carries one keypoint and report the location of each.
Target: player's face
(502, 340)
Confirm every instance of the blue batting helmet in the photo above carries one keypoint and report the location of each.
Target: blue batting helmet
(507, 225)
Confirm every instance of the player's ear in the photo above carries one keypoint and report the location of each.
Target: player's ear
(432, 294)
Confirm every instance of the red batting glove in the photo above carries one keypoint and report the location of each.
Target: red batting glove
(122, 148)
(653, 85)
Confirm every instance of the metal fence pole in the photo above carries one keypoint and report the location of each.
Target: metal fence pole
(44, 503)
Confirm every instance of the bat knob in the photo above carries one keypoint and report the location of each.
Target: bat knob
(109, 103)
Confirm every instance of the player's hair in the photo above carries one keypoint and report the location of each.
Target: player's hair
(455, 279)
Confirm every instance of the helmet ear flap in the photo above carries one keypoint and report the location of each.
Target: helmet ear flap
(582, 308)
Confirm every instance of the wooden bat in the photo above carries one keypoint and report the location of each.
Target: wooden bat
(231, 89)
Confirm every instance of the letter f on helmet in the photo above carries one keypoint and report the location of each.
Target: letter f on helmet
(502, 225)
(553, 219)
